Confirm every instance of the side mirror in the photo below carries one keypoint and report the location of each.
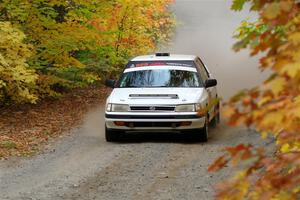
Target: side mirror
(210, 83)
(110, 83)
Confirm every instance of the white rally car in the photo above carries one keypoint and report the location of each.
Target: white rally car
(162, 92)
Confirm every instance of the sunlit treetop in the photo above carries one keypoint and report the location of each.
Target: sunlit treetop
(79, 42)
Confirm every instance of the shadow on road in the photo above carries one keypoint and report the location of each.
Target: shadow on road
(166, 137)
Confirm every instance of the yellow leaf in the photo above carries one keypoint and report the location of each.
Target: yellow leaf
(291, 69)
(264, 135)
(297, 99)
(276, 85)
(272, 121)
(294, 38)
(285, 148)
(296, 190)
(228, 111)
(296, 111)
(264, 100)
(294, 54)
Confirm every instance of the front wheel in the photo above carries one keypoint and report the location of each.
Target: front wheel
(200, 134)
(111, 135)
(216, 120)
(204, 131)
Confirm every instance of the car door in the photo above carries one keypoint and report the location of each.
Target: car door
(212, 91)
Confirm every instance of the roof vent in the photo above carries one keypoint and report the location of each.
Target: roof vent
(162, 54)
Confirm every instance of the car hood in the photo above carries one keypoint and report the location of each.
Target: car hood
(156, 96)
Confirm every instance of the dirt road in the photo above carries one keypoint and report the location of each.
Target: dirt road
(83, 166)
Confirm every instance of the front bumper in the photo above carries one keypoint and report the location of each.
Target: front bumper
(153, 121)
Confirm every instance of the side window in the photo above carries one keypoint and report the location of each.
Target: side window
(201, 69)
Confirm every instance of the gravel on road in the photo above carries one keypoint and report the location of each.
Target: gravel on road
(146, 166)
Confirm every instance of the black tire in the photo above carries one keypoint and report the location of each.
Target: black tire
(204, 131)
(218, 115)
(111, 135)
(216, 120)
(199, 135)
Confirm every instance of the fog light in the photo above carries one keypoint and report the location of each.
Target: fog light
(119, 123)
(131, 125)
(186, 123)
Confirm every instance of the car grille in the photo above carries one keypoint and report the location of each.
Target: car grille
(152, 108)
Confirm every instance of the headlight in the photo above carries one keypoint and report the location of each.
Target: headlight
(188, 108)
(117, 108)
(185, 108)
(198, 107)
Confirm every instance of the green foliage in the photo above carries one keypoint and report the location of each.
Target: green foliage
(248, 34)
(77, 43)
(238, 5)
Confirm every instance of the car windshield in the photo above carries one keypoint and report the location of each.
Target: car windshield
(160, 78)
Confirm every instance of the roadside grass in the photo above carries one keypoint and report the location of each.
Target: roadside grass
(25, 129)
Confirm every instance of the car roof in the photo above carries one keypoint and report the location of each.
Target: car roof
(172, 57)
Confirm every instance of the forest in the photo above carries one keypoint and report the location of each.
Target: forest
(48, 47)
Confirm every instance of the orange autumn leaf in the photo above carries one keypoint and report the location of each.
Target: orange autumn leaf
(273, 109)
